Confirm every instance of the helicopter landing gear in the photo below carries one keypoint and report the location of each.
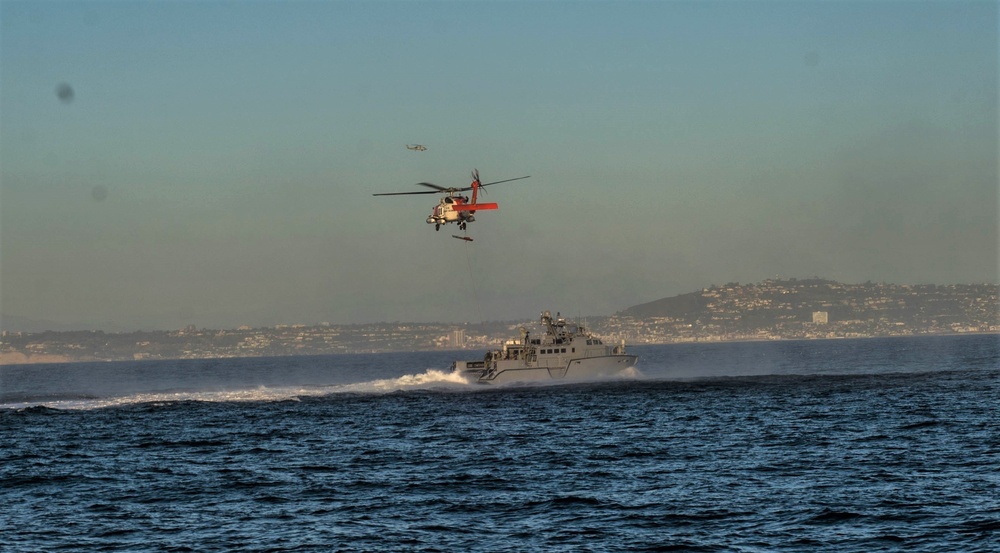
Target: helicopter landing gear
(462, 226)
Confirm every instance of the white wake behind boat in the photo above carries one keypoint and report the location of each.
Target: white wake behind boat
(564, 351)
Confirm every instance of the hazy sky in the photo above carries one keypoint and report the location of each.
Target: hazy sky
(213, 163)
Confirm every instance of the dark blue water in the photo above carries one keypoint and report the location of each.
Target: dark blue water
(859, 445)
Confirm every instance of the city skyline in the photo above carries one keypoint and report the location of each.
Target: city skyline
(165, 164)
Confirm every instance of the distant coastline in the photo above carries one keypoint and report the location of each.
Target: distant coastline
(766, 311)
(19, 358)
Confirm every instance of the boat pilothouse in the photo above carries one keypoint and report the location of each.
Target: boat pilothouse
(563, 350)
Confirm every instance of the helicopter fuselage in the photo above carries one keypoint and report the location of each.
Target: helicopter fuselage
(456, 209)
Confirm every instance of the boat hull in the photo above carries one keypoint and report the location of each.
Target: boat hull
(584, 368)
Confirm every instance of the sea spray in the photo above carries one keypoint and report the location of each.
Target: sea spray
(429, 378)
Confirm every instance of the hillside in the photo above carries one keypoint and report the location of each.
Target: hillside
(683, 307)
(857, 308)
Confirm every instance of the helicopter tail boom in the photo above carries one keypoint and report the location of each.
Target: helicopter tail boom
(475, 207)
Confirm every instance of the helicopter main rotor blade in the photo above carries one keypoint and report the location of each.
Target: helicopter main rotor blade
(442, 190)
(437, 190)
(506, 180)
(432, 185)
(407, 193)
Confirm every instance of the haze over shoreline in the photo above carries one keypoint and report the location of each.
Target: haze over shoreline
(27, 324)
(769, 310)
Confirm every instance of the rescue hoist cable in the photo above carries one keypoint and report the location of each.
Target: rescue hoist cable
(472, 280)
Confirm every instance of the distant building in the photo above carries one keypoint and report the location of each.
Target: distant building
(458, 338)
(821, 317)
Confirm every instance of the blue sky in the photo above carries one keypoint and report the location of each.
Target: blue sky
(216, 162)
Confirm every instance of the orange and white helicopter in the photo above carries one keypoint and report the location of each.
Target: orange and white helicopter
(455, 207)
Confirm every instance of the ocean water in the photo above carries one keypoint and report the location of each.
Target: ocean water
(848, 445)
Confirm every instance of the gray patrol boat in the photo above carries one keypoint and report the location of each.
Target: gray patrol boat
(564, 351)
